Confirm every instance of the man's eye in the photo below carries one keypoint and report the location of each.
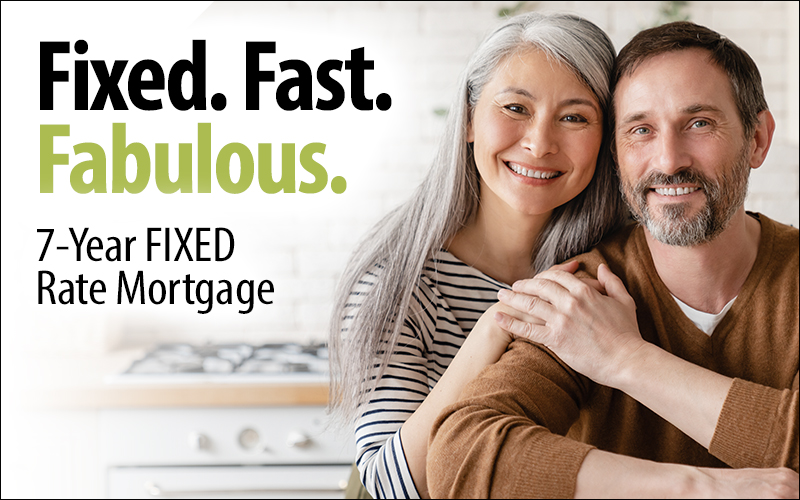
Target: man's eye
(641, 130)
(700, 124)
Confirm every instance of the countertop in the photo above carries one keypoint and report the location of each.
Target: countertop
(82, 383)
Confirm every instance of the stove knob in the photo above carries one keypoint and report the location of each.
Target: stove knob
(198, 441)
(249, 439)
(152, 489)
(298, 439)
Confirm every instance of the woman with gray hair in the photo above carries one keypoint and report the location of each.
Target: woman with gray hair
(522, 181)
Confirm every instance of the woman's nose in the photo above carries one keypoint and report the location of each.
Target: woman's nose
(540, 139)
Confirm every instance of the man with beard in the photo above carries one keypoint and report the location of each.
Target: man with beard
(681, 379)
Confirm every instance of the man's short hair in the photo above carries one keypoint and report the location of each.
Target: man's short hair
(742, 72)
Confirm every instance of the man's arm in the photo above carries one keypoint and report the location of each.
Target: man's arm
(598, 336)
(607, 475)
(742, 423)
(505, 439)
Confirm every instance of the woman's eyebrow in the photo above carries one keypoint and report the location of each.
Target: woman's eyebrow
(579, 101)
(566, 102)
(516, 90)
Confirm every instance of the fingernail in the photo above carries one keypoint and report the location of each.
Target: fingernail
(498, 317)
(502, 293)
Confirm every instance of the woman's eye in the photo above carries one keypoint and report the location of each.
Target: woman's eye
(515, 108)
(574, 119)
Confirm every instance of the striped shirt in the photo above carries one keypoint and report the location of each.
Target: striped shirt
(445, 306)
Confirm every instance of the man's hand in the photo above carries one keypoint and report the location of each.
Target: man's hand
(593, 333)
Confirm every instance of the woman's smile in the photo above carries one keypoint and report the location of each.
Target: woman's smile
(531, 172)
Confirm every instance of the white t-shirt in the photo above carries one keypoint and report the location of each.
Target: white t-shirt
(703, 320)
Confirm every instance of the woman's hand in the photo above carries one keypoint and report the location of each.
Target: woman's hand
(488, 327)
(594, 334)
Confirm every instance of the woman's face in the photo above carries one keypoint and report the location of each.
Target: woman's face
(536, 131)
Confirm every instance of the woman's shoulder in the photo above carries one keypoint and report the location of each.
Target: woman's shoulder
(445, 269)
(453, 283)
(445, 286)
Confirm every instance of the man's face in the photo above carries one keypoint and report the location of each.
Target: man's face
(683, 158)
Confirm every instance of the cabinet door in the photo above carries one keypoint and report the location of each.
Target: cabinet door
(271, 481)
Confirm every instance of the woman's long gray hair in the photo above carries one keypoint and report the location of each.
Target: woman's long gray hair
(383, 272)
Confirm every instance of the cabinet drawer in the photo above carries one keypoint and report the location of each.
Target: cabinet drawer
(274, 481)
(222, 436)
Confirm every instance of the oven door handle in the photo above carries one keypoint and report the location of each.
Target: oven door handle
(153, 490)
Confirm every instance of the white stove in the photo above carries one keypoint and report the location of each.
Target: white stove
(225, 452)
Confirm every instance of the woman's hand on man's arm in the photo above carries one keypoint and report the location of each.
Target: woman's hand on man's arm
(598, 336)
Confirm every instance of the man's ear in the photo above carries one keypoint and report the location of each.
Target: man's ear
(765, 128)
(612, 146)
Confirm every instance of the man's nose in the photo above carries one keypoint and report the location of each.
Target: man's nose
(540, 138)
(671, 153)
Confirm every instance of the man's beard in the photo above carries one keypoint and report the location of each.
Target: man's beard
(670, 224)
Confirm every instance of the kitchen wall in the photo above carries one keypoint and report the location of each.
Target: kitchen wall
(419, 48)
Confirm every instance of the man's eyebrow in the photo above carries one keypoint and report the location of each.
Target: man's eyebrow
(688, 110)
(634, 117)
(697, 108)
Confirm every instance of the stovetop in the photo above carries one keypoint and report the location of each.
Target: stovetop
(181, 362)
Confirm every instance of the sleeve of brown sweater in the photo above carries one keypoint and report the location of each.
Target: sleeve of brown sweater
(505, 437)
(758, 427)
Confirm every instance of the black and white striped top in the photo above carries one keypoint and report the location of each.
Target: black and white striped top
(447, 303)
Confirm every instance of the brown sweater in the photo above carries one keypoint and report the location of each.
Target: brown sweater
(524, 426)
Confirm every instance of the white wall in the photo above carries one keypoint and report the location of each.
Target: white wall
(301, 242)
(426, 45)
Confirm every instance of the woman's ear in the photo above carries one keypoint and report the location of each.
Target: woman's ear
(765, 128)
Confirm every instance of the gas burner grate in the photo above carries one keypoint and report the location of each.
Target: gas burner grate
(217, 359)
